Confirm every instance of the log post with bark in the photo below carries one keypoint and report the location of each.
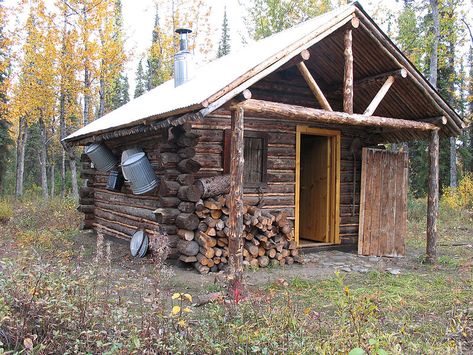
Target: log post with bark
(433, 198)
(235, 250)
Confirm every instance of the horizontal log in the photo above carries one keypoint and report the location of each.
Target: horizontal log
(166, 215)
(188, 166)
(86, 192)
(126, 199)
(86, 208)
(187, 221)
(136, 212)
(168, 188)
(300, 113)
(185, 179)
(187, 152)
(189, 248)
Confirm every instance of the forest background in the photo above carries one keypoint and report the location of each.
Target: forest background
(64, 63)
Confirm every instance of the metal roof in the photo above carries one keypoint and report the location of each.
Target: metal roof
(207, 81)
(219, 81)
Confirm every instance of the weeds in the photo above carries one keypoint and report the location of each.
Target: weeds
(54, 299)
(6, 212)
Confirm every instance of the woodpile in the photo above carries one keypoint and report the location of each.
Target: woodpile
(267, 238)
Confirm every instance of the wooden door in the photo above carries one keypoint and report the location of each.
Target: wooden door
(383, 203)
(314, 188)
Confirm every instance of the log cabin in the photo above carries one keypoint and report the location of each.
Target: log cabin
(273, 148)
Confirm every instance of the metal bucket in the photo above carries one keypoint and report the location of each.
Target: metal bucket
(140, 173)
(128, 153)
(101, 156)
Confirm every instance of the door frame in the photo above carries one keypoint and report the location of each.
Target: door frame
(334, 201)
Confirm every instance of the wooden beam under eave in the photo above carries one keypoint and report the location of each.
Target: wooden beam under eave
(348, 72)
(235, 216)
(269, 109)
(379, 96)
(313, 86)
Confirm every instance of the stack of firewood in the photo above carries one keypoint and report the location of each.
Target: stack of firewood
(267, 238)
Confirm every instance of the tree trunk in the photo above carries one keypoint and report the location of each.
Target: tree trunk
(43, 159)
(101, 91)
(20, 156)
(435, 43)
(453, 162)
(235, 243)
(52, 179)
(73, 168)
(63, 173)
(433, 198)
(86, 96)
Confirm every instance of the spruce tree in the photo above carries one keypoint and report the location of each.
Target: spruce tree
(140, 88)
(5, 137)
(224, 44)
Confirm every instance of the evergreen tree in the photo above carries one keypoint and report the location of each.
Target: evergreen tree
(160, 56)
(5, 137)
(140, 88)
(224, 45)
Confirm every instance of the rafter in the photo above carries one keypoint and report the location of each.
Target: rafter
(313, 86)
(379, 96)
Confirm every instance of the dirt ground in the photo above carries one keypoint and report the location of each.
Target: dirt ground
(317, 265)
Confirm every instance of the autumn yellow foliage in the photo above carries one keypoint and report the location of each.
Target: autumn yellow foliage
(460, 197)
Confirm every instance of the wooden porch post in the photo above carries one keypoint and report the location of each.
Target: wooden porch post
(433, 199)
(348, 73)
(235, 218)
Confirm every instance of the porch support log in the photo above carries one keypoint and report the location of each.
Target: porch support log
(235, 217)
(348, 73)
(379, 96)
(313, 86)
(268, 109)
(433, 198)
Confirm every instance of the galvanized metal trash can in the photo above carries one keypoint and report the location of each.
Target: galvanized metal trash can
(140, 173)
(101, 156)
(128, 153)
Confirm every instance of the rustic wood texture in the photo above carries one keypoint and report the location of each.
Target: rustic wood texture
(379, 96)
(348, 73)
(279, 192)
(235, 247)
(383, 215)
(433, 198)
(313, 86)
(293, 112)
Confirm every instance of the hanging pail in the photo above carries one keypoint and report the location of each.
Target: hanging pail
(140, 173)
(101, 156)
(128, 153)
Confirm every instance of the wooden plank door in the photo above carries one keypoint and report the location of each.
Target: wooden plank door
(383, 203)
(314, 185)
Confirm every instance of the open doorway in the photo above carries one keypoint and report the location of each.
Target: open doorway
(317, 186)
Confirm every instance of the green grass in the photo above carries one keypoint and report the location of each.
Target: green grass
(52, 293)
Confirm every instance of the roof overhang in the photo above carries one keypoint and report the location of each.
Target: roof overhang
(202, 95)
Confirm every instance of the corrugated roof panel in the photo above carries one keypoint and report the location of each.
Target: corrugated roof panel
(208, 80)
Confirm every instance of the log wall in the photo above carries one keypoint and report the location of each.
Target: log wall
(279, 195)
(182, 154)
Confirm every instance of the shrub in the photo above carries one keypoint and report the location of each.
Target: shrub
(460, 197)
(6, 212)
